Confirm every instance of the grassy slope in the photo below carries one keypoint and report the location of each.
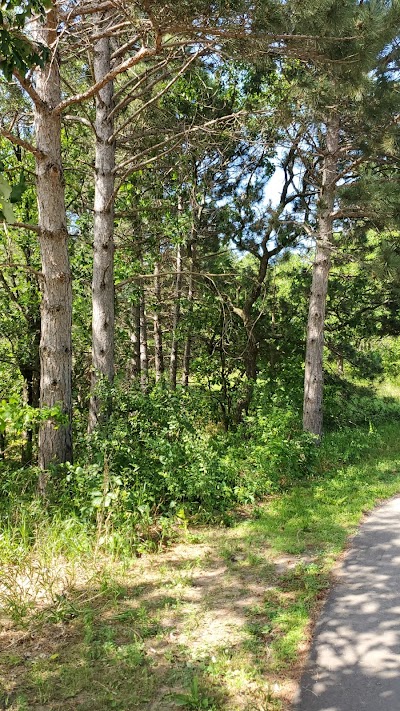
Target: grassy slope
(220, 621)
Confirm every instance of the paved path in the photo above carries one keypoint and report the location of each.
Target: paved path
(355, 657)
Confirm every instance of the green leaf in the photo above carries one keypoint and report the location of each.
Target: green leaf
(18, 190)
(7, 211)
(5, 189)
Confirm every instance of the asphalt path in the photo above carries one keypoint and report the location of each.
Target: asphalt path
(354, 663)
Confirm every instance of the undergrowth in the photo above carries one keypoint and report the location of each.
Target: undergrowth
(160, 461)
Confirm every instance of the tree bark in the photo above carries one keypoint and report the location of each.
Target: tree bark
(31, 375)
(314, 374)
(103, 316)
(144, 351)
(173, 368)
(158, 343)
(55, 439)
(135, 340)
(250, 362)
(187, 353)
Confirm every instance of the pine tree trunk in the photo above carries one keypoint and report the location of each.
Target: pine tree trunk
(135, 340)
(187, 353)
(32, 398)
(55, 440)
(314, 375)
(250, 363)
(103, 262)
(173, 368)
(158, 344)
(144, 357)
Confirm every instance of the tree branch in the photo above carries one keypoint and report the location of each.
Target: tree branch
(89, 9)
(20, 142)
(12, 295)
(143, 53)
(37, 274)
(157, 96)
(25, 226)
(79, 119)
(27, 86)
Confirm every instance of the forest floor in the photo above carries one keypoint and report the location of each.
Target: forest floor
(221, 620)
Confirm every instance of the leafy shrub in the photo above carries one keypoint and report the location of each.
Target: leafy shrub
(357, 407)
(278, 454)
(156, 452)
(159, 457)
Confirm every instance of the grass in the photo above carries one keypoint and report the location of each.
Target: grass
(218, 621)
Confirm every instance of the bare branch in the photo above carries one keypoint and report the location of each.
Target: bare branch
(157, 96)
(143, 53)
(187, 132)
(27, 86)
(24, 267)
(25, 226)
(111, 31)
(125, 47)
(351, 212)
(12, 295)
(89, 9)
(139, 277)
(79, 119)
(20, 142)
(137, 82)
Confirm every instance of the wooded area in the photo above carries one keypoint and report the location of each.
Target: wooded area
(202, 151)
(200, 256)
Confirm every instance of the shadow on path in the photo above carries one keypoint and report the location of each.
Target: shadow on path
(354, 663)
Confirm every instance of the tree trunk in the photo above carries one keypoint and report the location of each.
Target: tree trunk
(103, 262)
(250, 363)
(190, 297)
(173, 368)
(135, 340)
(158, 345)
(55, 439)
(32, 398)
(314, 376)
(144, 357)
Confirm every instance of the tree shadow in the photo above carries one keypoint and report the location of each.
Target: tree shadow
(355, 657)
(189, 629)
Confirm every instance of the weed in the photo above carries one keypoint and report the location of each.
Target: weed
(195, 699)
